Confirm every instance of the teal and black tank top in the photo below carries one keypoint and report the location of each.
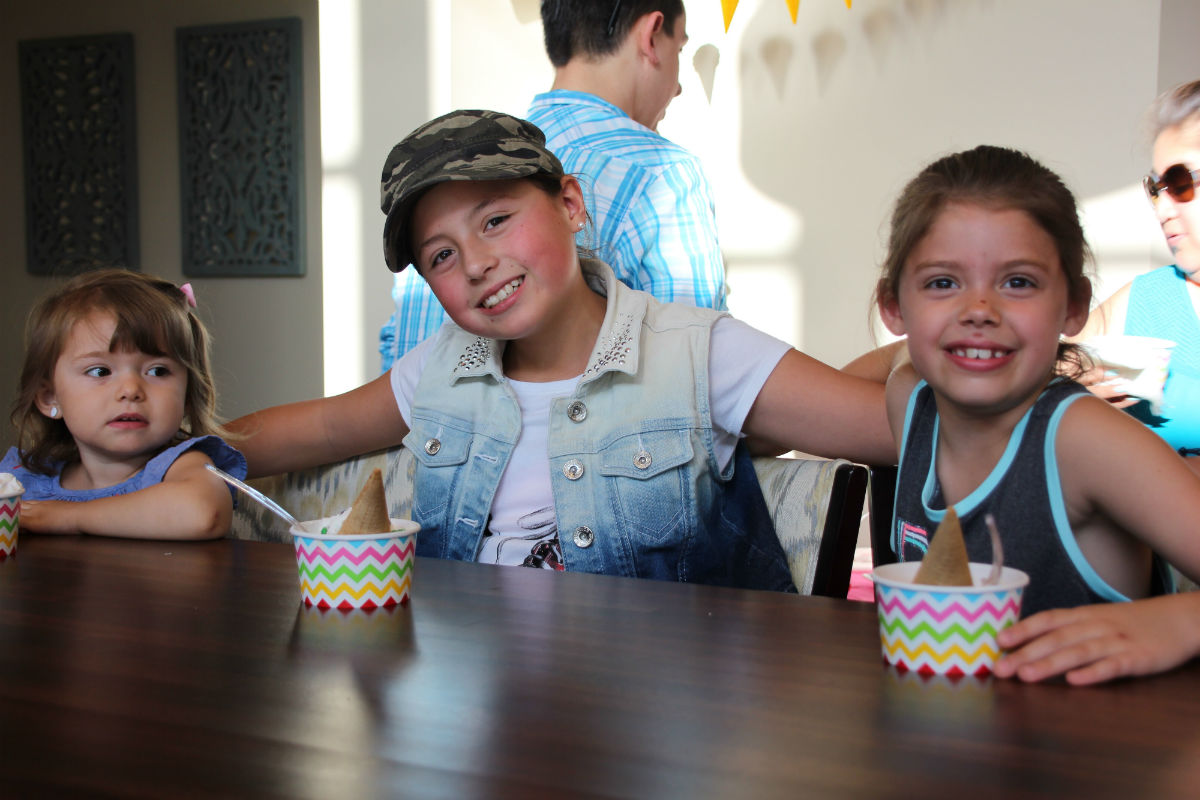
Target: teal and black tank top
(1023, 493)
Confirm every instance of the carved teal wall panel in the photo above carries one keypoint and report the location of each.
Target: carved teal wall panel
(241, 158)
(80, 153)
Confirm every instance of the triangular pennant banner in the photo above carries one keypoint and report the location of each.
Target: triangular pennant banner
(729, 6)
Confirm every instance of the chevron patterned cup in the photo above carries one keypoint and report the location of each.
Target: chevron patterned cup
(944, 630)
(10, 523)
(370, 570)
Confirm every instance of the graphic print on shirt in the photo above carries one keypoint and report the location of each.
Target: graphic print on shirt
(913, 541)
(545, 551)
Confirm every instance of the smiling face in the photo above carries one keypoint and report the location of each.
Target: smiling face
(121, 407)
(983, 299)
(1179, 144)
(500, 255)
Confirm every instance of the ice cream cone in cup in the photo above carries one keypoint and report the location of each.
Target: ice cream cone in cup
(369, 514)
(369, 568)
(10, 514)
(945, 562)
(940, 615)
(945, 630)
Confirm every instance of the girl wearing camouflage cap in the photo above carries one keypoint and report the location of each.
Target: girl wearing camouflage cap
(563, 420)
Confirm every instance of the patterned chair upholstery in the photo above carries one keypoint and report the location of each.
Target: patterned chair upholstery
(816, 505)
(1182, 582)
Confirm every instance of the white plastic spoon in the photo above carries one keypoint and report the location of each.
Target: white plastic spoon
(267, 502)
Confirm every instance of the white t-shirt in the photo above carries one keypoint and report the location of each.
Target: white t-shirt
(521, 528)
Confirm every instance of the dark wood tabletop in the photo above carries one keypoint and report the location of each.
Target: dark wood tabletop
(152, 669)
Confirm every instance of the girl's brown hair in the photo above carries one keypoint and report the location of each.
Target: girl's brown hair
(994, 177)
(152, 316)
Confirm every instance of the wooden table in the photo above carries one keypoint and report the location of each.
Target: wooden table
(133, 669)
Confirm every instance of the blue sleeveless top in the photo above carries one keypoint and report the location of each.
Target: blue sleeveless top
(48, 487)
(1159, 306)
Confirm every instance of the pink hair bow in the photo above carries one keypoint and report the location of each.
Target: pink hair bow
(189, 294)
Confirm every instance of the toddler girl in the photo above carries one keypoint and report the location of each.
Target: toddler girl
(115, 414)
(984, 274)
(563, 420)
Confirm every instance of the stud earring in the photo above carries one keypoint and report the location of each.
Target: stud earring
(53, 412)
(579, 227)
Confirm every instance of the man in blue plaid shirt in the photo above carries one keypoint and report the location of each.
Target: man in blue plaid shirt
(651, 206)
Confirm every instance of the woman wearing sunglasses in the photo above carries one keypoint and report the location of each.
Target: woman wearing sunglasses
(1165, 303)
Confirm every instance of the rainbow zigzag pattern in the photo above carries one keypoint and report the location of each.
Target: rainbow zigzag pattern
(355, 574)
(944, 633)
(10, 516)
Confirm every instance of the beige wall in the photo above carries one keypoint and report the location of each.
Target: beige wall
(267, 332)
(1178, 57)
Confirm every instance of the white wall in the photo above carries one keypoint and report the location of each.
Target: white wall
(375, 87)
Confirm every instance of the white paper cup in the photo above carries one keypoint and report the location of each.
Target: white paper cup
(370, 570)
(944, 630)
(1129, 355)
(10, 524)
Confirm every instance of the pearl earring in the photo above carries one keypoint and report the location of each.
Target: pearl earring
(579, 227)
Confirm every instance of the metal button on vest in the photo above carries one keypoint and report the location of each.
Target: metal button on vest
(641, 459)
(584, 536)
(573, 469)
(577, 411)
(432, 447)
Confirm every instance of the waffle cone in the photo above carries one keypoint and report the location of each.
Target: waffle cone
(946, 562)
(369, 514)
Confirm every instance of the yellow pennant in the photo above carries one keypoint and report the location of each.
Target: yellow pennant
(729, 6)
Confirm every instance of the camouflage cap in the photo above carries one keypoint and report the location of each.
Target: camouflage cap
(460, 146)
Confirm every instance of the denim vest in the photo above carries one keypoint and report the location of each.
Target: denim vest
(637, 490)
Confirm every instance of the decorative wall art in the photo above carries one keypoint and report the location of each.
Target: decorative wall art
(78, 124)
(241, 148)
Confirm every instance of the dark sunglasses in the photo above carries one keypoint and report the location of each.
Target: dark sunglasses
(1177, 180)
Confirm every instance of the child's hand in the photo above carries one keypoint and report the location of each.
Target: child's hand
(49, 516)
(1101, 642)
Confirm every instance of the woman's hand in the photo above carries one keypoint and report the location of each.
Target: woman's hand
(1101, 384)
(1097, 643)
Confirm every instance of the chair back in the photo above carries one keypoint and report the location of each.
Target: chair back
(816, 505)
(882, 505)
